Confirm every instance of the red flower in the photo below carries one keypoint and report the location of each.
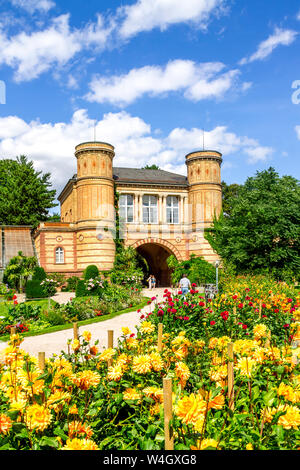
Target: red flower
(186, 318)
(179, 292)
(240, 305)
(201, 304)
(245, 327)
(15, 302)
(286, 325)
(142, 316)
(234, 296)
(14, 297)
(132, 335)
(160, 313)
(212, 322)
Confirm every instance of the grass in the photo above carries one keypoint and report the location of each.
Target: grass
(43, 303)
(53, 329)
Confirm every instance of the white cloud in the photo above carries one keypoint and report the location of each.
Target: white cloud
(280, 37)
(297, 129)
(51, 145)
(30, 55)
(195, 81)
(259, 153)
(33, 5)
(145, 15)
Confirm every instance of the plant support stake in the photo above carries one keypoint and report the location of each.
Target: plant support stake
(169, 438)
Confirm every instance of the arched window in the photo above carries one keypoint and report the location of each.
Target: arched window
(59, 255)
(172, 210)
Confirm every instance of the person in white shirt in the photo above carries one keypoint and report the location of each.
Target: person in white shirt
(184, 284)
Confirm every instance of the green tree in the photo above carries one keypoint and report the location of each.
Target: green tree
(25, 194)
(262, 233)
(229, 193)
(196, 268)
(18, 270)
(151, 167)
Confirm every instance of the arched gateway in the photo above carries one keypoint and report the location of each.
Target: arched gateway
(156, 252)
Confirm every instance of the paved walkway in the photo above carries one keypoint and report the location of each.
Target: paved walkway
(54, 343)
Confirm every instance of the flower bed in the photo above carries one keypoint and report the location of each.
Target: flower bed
(113, 399)
(37, 316)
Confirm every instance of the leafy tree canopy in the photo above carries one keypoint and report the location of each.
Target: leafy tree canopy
(151, 167)
(18, 270)
(196, 268)
(229, 191)
(262, 233)
(25, 194)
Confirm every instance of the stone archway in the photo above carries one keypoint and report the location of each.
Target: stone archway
(156, 252)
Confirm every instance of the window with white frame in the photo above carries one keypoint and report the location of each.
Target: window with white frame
(150, 209)
(172, 206)
(59, 255)
(126, 207)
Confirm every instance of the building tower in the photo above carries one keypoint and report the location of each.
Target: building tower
(205, 196)
(95, 217)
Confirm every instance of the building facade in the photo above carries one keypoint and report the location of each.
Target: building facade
(161, 213)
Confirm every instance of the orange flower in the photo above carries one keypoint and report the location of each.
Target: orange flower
(5, 424)
(80, 444)
(78, 429)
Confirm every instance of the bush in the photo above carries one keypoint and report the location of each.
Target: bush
(90, 272)
(80, 288)
(34, 290)
(55, 317)
(58, 278)
(72, 283)
(39, 274)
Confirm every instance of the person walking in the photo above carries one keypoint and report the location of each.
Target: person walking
(184, 284)
(149, 280)
(153, 282)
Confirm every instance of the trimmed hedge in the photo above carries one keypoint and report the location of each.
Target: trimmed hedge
(39, 274)
(34, 290)
(91, 272)
(80, 288)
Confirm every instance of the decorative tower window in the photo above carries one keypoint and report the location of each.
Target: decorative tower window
(59, 255)
(150, 211)
(172, 210)
(126, 207)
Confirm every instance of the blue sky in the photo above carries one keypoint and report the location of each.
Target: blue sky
(151, 75)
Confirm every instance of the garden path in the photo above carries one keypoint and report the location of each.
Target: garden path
(54, 343)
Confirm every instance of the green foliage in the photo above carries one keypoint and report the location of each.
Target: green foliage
(128, 267)
(151, 167)
(25, 194)
(229, 191)
(58, 278)
(80, 288)
(54, 317)
(34, 290)
(18, 270)
(39, 274)
(72, 283)
(91, 272)
(196, 268)
(262, 233)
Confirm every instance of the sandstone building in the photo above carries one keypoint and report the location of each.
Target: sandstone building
(162, 213)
